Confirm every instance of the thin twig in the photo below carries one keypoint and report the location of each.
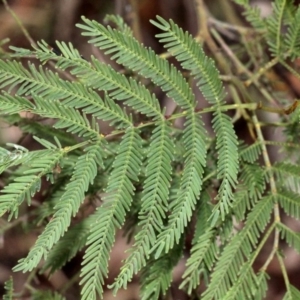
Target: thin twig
(204, 35)
(262, 242)
(31, 41)
(237, 28)
(283, 270)
(261, 71)
(250, 106)
(17, 19)
(273, 191)
(240, 67)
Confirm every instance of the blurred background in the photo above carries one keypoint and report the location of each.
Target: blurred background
(55, 20)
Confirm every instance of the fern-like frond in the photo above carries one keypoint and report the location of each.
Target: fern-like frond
(69, 245)
(46, 295)
(248, 285)
(250, 190)
(192, 57)
(289, 12)
(13, 158)
(226, 229)
(119, 22)
(292, 131)
(8, 286)
(239, 249)
(103, 77)
(47, 131)
(126, 50)
(111, 214)
(292, 293)
(290, 202)
(262, 284)
(292, 42)
(203, 247)
(203, 253)
(274, 26)
(157, 276)
(154, 202)
(253, 176)
(68, 118)
(155, 284)
(84, 174)
(227, 162)
(30, 126)
(120, 88)
(292, 238)
(203, 213)
(250, 153)
(190, 186)
(164, 177)
(242, 202)
(48, 86)
(25, 186)
(186, 50)
(14, 104)
(288, 175)
(47, 208)
(252, 14)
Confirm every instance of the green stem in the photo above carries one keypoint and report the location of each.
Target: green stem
(261, 71)
(262, 242)
(283, 270)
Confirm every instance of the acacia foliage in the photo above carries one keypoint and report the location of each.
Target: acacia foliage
(163, 179)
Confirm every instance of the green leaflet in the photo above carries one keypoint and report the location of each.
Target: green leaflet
(157, 276)
(292, 238)
(111, 214)
(24, 187)
(192, 57)
(233, 256)
(84, 173)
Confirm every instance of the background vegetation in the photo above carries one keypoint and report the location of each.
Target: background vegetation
(191, 162)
